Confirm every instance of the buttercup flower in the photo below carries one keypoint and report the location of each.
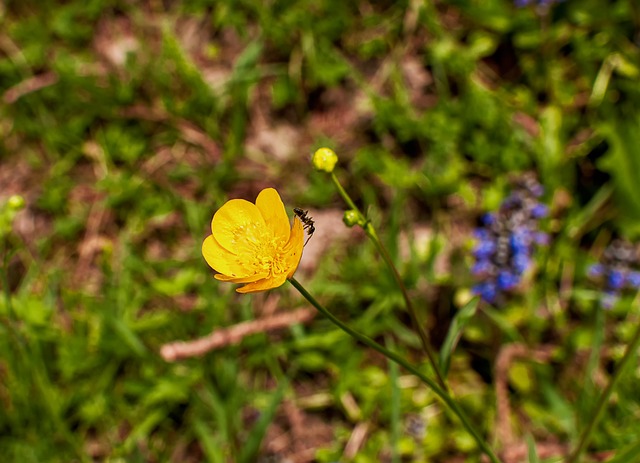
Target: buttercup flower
(254, 243)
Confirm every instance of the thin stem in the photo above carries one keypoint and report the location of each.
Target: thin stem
(440, 392)
(419, 327)
(373, 235)
(346, 197)
(4, 254)
(597, 412)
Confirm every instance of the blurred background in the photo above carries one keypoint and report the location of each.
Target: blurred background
(125, 124)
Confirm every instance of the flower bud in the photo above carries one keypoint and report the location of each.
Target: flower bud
(324, 159)
(351, 218)
(15, 202)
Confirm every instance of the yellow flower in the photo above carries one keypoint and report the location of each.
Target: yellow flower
(254, 243)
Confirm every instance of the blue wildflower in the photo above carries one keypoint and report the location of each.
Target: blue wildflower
(482, 267)
(505, 241)
(489, 218)
(486, 290)
(616, 279)
(539, 211)
(484, 249)
(507, 280)
(633, 280)
(616, 271)
(544, 3)
(596, 270)
(521, 262)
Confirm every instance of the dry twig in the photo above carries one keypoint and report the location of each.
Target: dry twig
(29, 85)
(233, 334)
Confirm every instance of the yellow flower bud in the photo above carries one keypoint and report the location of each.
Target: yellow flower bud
(15, 202)
(325, 159)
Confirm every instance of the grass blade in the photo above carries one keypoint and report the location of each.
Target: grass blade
(458, 325)
(251, 447)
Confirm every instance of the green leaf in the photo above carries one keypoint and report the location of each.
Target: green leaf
(631, 453)
(551, 150)
(394, 374)
(129, 338)
(251, 447)
(142, 430)
(458, 324)
(501, 322)
(249, 57)
(533, 452)
(623, 163)
(592, 213)
(210, 445)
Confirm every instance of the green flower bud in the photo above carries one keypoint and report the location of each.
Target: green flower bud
(324, 159)
(351, 218)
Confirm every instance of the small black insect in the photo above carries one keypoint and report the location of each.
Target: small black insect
(309, 224)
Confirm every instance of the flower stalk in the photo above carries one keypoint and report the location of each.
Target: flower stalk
(370, 231)
(439, 391)
(632, 348)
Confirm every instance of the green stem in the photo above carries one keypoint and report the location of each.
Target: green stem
(597, 412)
(346, 197)
(440, 392)
(4, 254)
(417, 325)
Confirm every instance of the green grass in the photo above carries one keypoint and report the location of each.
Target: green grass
(124, 126)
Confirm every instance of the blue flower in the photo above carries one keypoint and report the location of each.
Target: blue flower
(521, 262)
(524, 3)
(520, 241)
(539, 211)
(616, 279)
(507, 280)
(505, 242)
(489, 218)
(596, 270)
(482, 267)
(484, 249)
(616, 271)
(633, 280)
(486, 290)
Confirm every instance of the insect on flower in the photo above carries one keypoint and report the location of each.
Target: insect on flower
(309, 224)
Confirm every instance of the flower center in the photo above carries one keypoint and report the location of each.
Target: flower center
(261, 250)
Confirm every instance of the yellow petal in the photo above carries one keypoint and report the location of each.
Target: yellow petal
(223, 261)
(248, 279)
(295, 246)
(274, 214)
(263, 285)
(235, 222)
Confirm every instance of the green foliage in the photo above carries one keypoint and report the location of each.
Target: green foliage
(124, 126)
(623, 162)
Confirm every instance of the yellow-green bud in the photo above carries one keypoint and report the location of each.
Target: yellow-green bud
(324, 159)
(15, 202)
(351, 218)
